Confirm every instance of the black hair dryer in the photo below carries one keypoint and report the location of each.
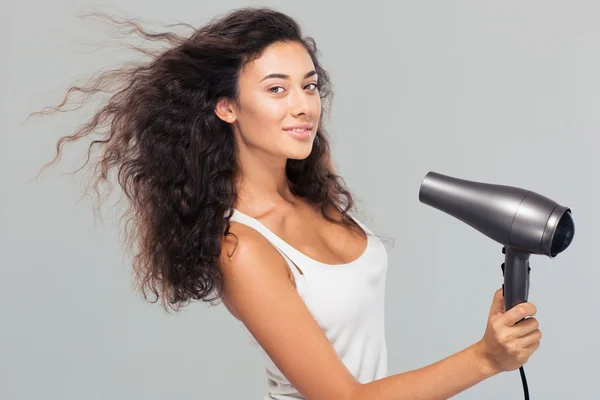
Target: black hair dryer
(522, 221)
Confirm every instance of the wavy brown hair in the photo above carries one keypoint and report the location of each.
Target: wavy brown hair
(176, 160)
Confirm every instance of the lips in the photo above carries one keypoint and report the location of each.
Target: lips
(298, 127)
(299, 131)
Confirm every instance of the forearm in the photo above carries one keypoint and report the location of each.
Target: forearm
(438, 381)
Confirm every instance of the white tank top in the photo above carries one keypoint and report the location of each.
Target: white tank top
(346, 300)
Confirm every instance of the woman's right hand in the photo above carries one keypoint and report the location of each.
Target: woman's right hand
(509, 339)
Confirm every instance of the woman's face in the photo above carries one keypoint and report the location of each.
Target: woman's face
(279, 104)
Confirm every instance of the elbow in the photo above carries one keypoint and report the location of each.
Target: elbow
(355, 392)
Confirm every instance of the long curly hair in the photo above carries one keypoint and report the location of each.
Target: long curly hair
(176, 160)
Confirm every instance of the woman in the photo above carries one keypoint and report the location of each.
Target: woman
(220, 147)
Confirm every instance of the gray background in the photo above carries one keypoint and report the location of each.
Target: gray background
(498, 91)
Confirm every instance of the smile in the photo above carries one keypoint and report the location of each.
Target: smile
(299, 133)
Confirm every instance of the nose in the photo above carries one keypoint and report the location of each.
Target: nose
(298, 103)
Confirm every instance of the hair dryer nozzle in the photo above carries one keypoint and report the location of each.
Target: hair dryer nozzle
(514, 217)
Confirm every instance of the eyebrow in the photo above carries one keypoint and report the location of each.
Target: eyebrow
(284, 76)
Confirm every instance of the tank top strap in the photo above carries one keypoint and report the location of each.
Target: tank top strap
(292, 256)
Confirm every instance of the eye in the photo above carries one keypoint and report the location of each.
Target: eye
(275, 87)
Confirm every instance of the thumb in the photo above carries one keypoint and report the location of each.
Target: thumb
(497, 307)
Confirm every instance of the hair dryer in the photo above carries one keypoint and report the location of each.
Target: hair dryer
(522, 221)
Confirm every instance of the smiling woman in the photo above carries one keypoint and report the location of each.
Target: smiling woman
(219, 145)
(276, 93)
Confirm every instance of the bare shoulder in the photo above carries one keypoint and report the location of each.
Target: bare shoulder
(247, 251)
(258, 291)
(248, 255)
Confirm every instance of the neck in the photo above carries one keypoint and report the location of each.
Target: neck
(263, 183)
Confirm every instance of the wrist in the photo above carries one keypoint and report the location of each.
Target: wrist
(483, 361)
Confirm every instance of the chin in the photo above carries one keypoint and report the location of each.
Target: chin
(299, 151)
(299, 155)
(297, 148)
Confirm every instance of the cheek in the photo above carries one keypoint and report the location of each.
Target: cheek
(263, 111)
(260, 119)
(273, 110)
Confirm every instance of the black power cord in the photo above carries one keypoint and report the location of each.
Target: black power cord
(524, 381)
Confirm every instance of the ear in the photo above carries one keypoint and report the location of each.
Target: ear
(225, 110)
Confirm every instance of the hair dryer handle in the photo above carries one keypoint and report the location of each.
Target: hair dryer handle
(516, 278)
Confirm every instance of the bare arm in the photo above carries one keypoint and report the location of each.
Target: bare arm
(260, 293)
(441, 380)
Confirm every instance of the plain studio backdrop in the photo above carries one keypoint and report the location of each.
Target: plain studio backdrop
(503, 92)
